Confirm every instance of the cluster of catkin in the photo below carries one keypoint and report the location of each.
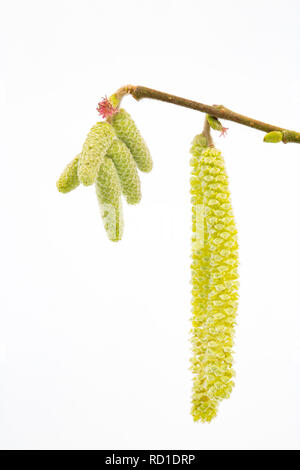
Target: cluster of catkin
(214, 280)
(110, 156)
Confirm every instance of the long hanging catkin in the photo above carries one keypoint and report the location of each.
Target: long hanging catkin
(127, 131)
(108, 190)
(214, 281)
(97, 143)
(203, 405)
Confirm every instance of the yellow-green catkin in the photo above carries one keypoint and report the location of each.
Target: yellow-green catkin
(214, 282)
(127, 171)
(68, 180)
(127, 131)
(108, 190)
(97, 143)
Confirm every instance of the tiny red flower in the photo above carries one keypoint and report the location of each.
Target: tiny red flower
(223, 132)
(105, 108)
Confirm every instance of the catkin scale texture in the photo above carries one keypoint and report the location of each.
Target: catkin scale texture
(127, 171)
(98, 141)
(68, 180)
(127, 131)
(108, 190)
(214, 282)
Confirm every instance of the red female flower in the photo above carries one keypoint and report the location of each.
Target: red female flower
(224, 131)
(105, 108)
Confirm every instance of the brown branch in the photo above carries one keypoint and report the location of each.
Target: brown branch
(219, 111)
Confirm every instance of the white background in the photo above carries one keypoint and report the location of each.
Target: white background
(94, 336)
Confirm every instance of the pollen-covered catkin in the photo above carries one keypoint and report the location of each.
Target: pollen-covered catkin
(97, 143)
(204, 407)
(214, 281)
(127, 171)
(68, 180)
(127, 131)
(108, 190)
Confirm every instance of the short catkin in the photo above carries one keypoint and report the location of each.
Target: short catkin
(68, 180)
(214, 282)
(111, 154)
(108, 190)
(127, 131)
(127, 171)
(97, 143)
